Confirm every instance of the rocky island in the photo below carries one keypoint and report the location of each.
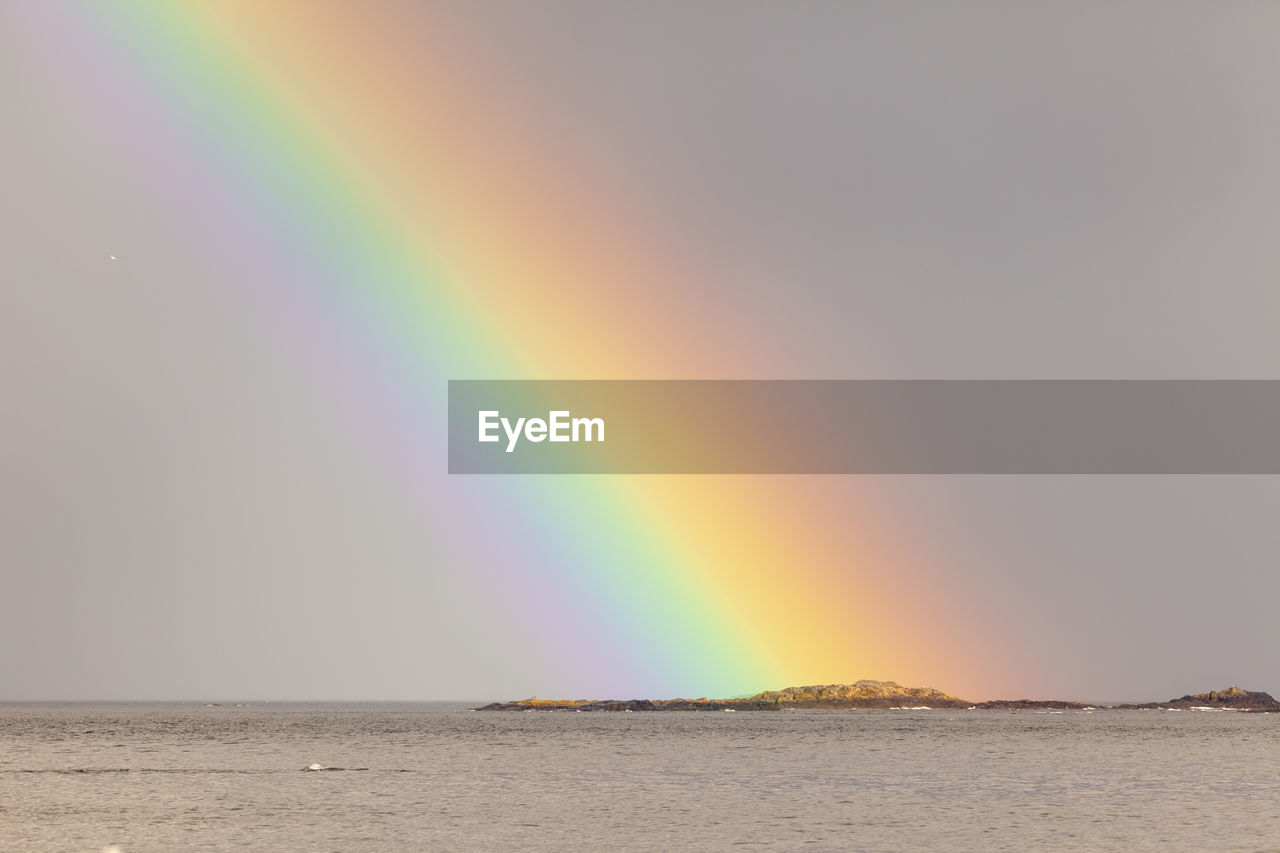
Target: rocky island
(1231, 699)
(887, 695)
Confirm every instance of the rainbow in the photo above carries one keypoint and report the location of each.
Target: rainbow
(361, 187)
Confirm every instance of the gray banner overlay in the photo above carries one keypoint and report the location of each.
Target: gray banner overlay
(866, 427)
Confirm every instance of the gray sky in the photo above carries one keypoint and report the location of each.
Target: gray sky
(1081, 190)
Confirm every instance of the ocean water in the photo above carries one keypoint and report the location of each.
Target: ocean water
(440, 777)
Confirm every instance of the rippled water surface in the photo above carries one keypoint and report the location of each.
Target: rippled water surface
(433, 777)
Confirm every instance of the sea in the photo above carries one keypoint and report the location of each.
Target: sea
(189, 777)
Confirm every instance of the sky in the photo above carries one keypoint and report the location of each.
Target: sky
(222, 468)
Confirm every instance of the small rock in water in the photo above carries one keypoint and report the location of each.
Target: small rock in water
(317, 767)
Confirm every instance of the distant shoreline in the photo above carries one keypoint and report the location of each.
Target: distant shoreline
(889, 696)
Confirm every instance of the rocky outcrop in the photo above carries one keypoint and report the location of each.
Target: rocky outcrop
(861, 694)
(1233, 699)
(1033, 705)
(574, 705)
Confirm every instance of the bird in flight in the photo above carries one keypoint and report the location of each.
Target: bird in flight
(113, 257)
